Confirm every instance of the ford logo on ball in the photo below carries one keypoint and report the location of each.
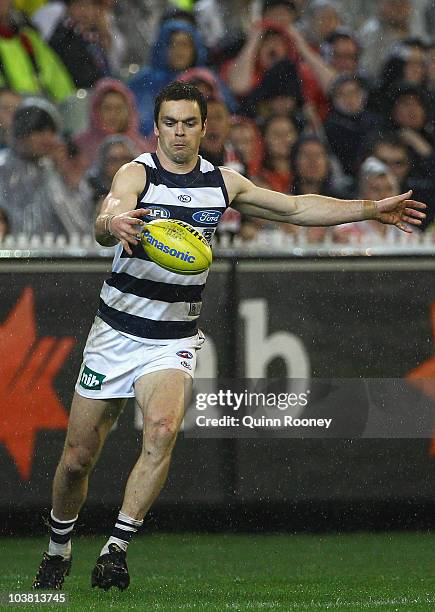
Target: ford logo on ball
(208, 217)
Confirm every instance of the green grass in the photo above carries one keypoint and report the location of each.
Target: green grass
(351, 572)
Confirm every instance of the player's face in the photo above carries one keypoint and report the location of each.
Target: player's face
(179, 130)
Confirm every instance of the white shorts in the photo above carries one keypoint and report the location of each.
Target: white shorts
(112, 362)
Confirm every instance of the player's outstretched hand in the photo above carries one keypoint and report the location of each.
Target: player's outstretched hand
(127, 227)
(401, 211)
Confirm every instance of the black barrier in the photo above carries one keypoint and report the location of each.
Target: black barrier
(286, 318)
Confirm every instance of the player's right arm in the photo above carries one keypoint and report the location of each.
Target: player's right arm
(119, 219)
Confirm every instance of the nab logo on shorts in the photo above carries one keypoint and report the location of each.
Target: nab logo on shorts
(185, 355)
(186, 364)
(91, 380)
(209, 217)
(157, 212)
(184, 198)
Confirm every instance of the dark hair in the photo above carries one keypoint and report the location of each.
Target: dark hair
(33, 115)
(267, 160)
(327, 187)
(388, 138)
(346, 78)
(343, 33)
(179, 90)
(270, 4)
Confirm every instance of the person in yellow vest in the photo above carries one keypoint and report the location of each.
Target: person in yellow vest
(27, 64)
(29, 6)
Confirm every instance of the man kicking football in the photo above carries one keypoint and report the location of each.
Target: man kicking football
(144, 340)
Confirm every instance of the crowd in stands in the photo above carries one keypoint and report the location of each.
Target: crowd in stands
(302, 98)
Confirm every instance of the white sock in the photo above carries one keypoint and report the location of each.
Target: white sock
(60, 536)
(113, 540)
(125, 528)
(60, 549)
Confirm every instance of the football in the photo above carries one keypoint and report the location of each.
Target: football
(176, 246)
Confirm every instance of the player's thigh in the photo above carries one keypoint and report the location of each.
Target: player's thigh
(163, 397)
(90, 421)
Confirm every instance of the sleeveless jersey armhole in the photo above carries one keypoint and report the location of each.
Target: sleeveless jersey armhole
(147, 184)
(223, 187)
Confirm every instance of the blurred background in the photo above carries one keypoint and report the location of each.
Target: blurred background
(334, 97)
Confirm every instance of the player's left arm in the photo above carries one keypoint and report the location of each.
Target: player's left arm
(319, 210)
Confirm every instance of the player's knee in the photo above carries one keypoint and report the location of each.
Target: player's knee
(77, 461)
(161, 432)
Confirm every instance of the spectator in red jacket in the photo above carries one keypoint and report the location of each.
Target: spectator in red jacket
(113, 111)
(267, 44)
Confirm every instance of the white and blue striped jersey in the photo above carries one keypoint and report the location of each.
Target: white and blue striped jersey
(142, 299)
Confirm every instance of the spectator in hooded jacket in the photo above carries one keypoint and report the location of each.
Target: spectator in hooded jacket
(113, 111)
(28, 64)
(177, 48)
(33, 192)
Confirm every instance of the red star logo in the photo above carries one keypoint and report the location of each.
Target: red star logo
(28, 401)
(423, 376)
